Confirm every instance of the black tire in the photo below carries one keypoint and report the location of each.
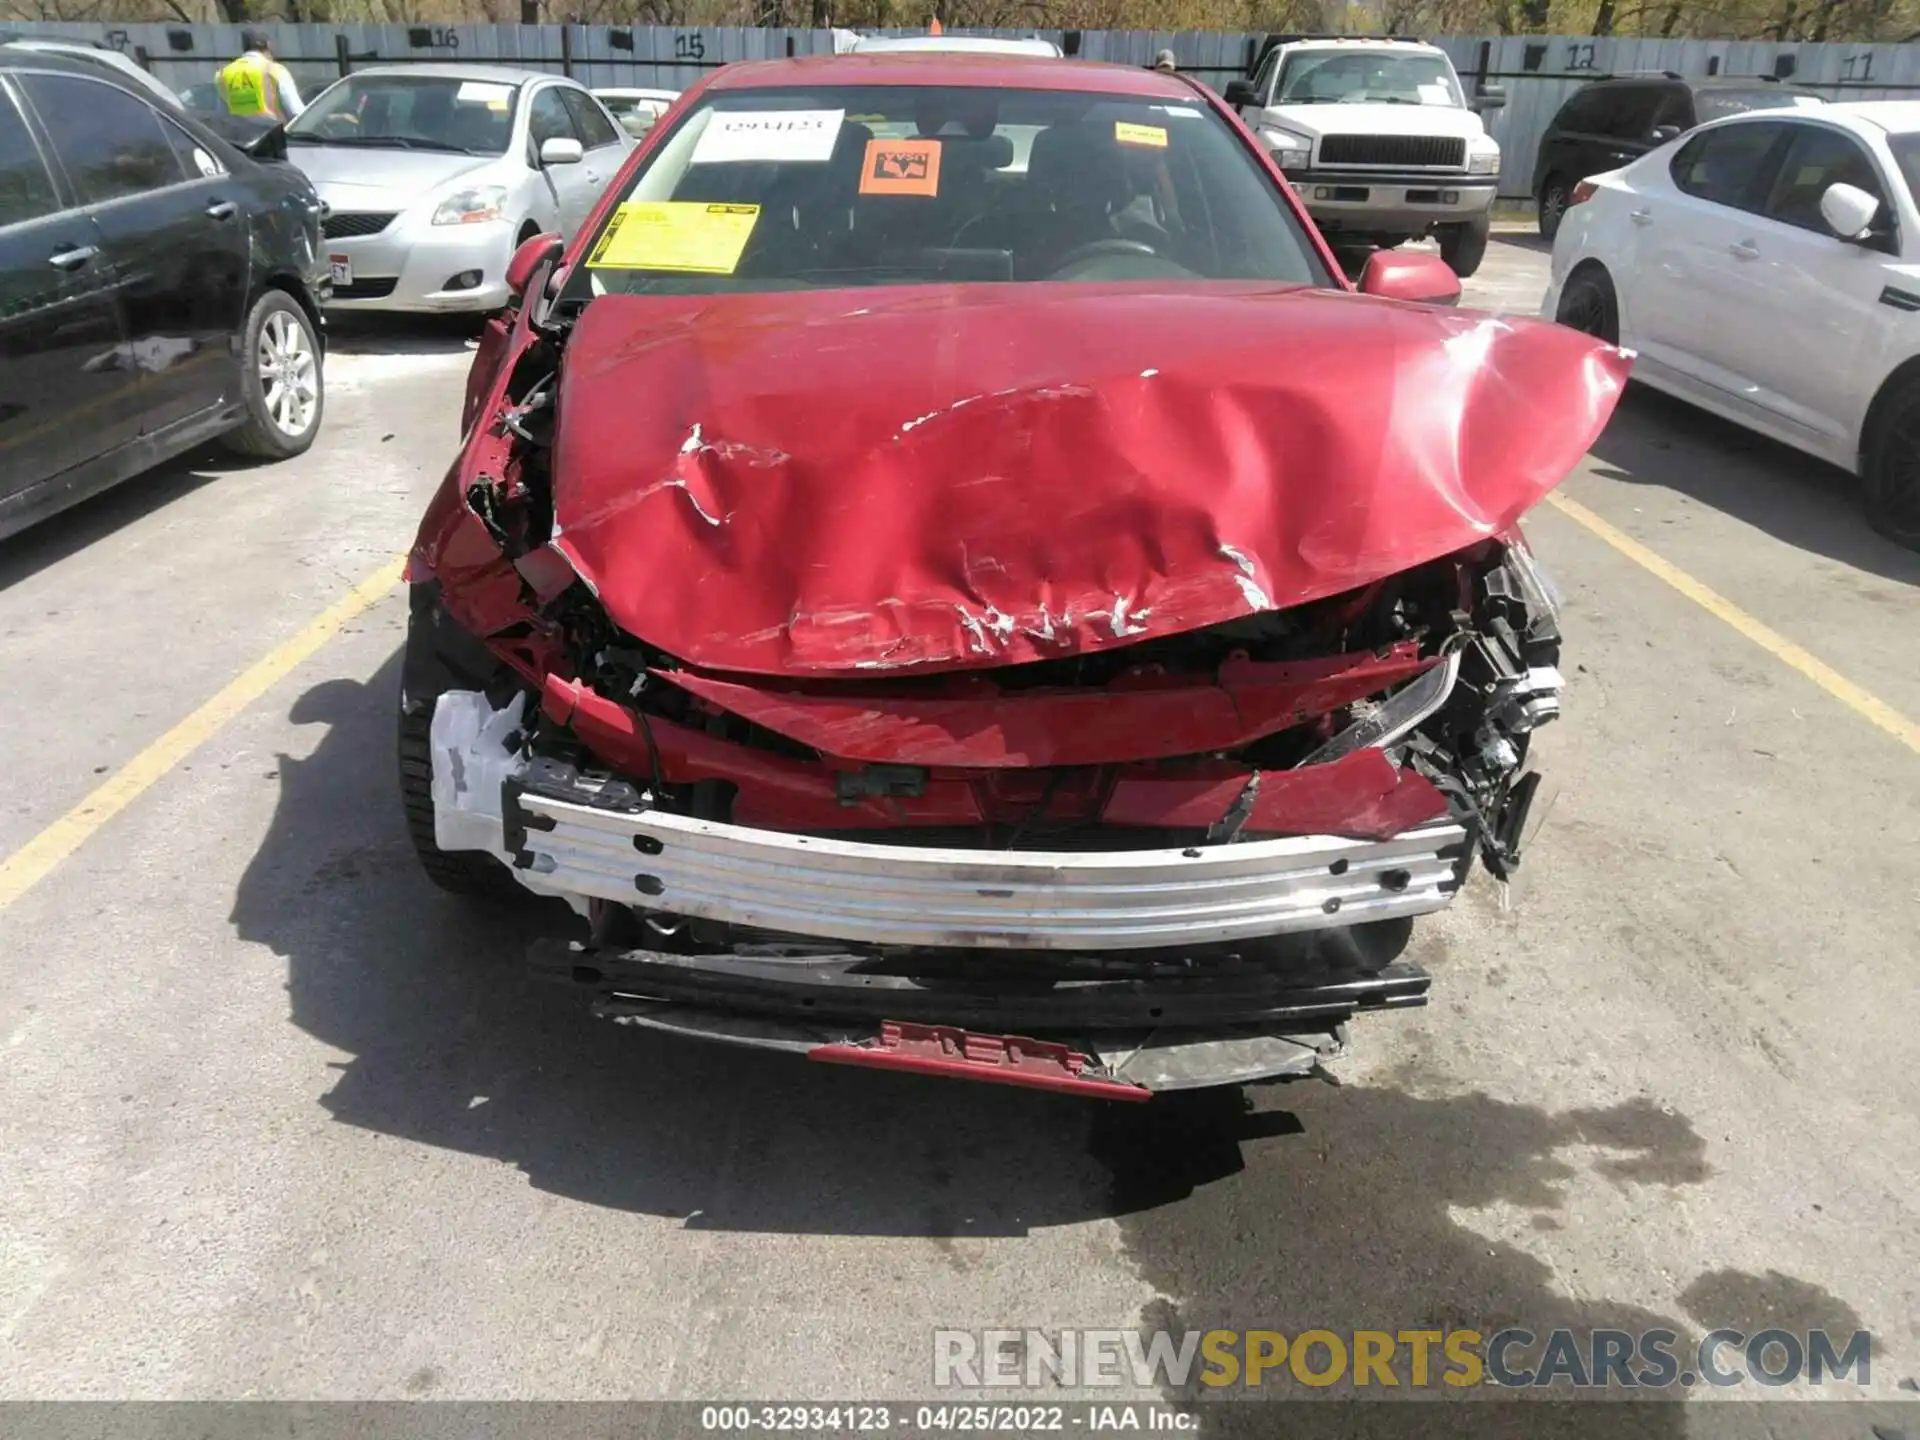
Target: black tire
(1464, 246)
(1588, 305)
(263, 436)
(440, 658)
(1552, 205)
(1890, 476)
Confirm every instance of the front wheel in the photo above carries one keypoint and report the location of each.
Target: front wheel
(1890, 478)
(440, 656)
(1464, 246)
(281, 382)
(1589, 305)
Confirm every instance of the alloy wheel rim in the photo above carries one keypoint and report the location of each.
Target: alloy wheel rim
(289, 375)
(1552, 206)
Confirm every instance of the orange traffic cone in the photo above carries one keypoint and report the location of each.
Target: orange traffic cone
(934, 28)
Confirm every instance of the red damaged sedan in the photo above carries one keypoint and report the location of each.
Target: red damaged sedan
(944, 574)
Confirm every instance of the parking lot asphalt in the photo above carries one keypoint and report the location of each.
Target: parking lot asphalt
(279, 1120)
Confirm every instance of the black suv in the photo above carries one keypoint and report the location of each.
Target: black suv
(1615, 121)
(159, 288)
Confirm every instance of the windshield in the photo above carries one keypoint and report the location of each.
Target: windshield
(1373, 77)
(411, 112)
(876, 185)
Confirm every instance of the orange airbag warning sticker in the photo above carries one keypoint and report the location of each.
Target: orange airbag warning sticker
(901, 167)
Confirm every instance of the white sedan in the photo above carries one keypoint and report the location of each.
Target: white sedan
(1767, 268)
(636, 110)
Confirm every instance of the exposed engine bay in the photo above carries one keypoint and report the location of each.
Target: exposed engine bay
(1087, 852)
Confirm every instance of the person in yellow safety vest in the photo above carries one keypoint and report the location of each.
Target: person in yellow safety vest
(256, 83)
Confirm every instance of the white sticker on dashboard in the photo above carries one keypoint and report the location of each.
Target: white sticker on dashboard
(768, 135)
(479, 92)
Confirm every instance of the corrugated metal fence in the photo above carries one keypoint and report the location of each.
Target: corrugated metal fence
(1538, 72)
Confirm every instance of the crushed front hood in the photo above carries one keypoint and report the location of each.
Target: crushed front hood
(825, 483)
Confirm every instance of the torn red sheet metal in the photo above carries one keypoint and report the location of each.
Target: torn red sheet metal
(1362, 796)
(827, 483)
(1140, 717)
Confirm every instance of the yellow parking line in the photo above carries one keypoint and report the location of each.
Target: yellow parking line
(1868, 706)
(33, 861)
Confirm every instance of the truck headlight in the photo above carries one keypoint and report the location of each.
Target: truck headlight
(471, 206)
(1484, 163)
(1289, 151)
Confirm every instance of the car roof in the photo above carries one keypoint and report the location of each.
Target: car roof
(1744, 82)
(954, 44)
(1896, 117)
(67, 57)
(1360, 42)
(949, 67)
(18, 53)
(453, 70)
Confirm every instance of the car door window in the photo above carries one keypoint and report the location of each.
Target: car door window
(1724, 165)
(26, 189)
(547, 118)
(196, 159)
(590, 120)
(110, 143)
(1576, 116)
(1627, 113)
(1676, 108)
(1263, 77)
(1818, 157)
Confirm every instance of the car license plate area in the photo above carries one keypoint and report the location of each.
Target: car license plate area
(970, 1055)
(342, 267)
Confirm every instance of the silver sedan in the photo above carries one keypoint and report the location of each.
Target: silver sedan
(434, 174)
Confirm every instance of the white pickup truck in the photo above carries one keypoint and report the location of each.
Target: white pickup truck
(1378, 139)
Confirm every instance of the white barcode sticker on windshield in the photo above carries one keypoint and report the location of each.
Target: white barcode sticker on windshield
(479, 92)
(768, 135)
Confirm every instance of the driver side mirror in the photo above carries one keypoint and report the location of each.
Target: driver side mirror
(528, 259)
(1410, 275)
(1849, 211)
(1241, 92)
(561, 151)
(1490, 98)
(269, 144)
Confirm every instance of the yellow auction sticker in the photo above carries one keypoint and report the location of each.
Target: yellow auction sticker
(1130, 134)
(683, 235)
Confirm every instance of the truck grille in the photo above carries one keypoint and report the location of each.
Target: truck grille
(344, 226)
(1415, 150)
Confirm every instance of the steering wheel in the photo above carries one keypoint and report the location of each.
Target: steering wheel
(1094, 249)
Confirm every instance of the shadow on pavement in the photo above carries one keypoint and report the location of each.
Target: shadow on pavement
(52, 540)
(1654, 439)
(372, 333)
(1289, 1208)
(1527, 239)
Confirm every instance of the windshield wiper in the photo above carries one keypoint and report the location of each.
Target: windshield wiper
(382, 142)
